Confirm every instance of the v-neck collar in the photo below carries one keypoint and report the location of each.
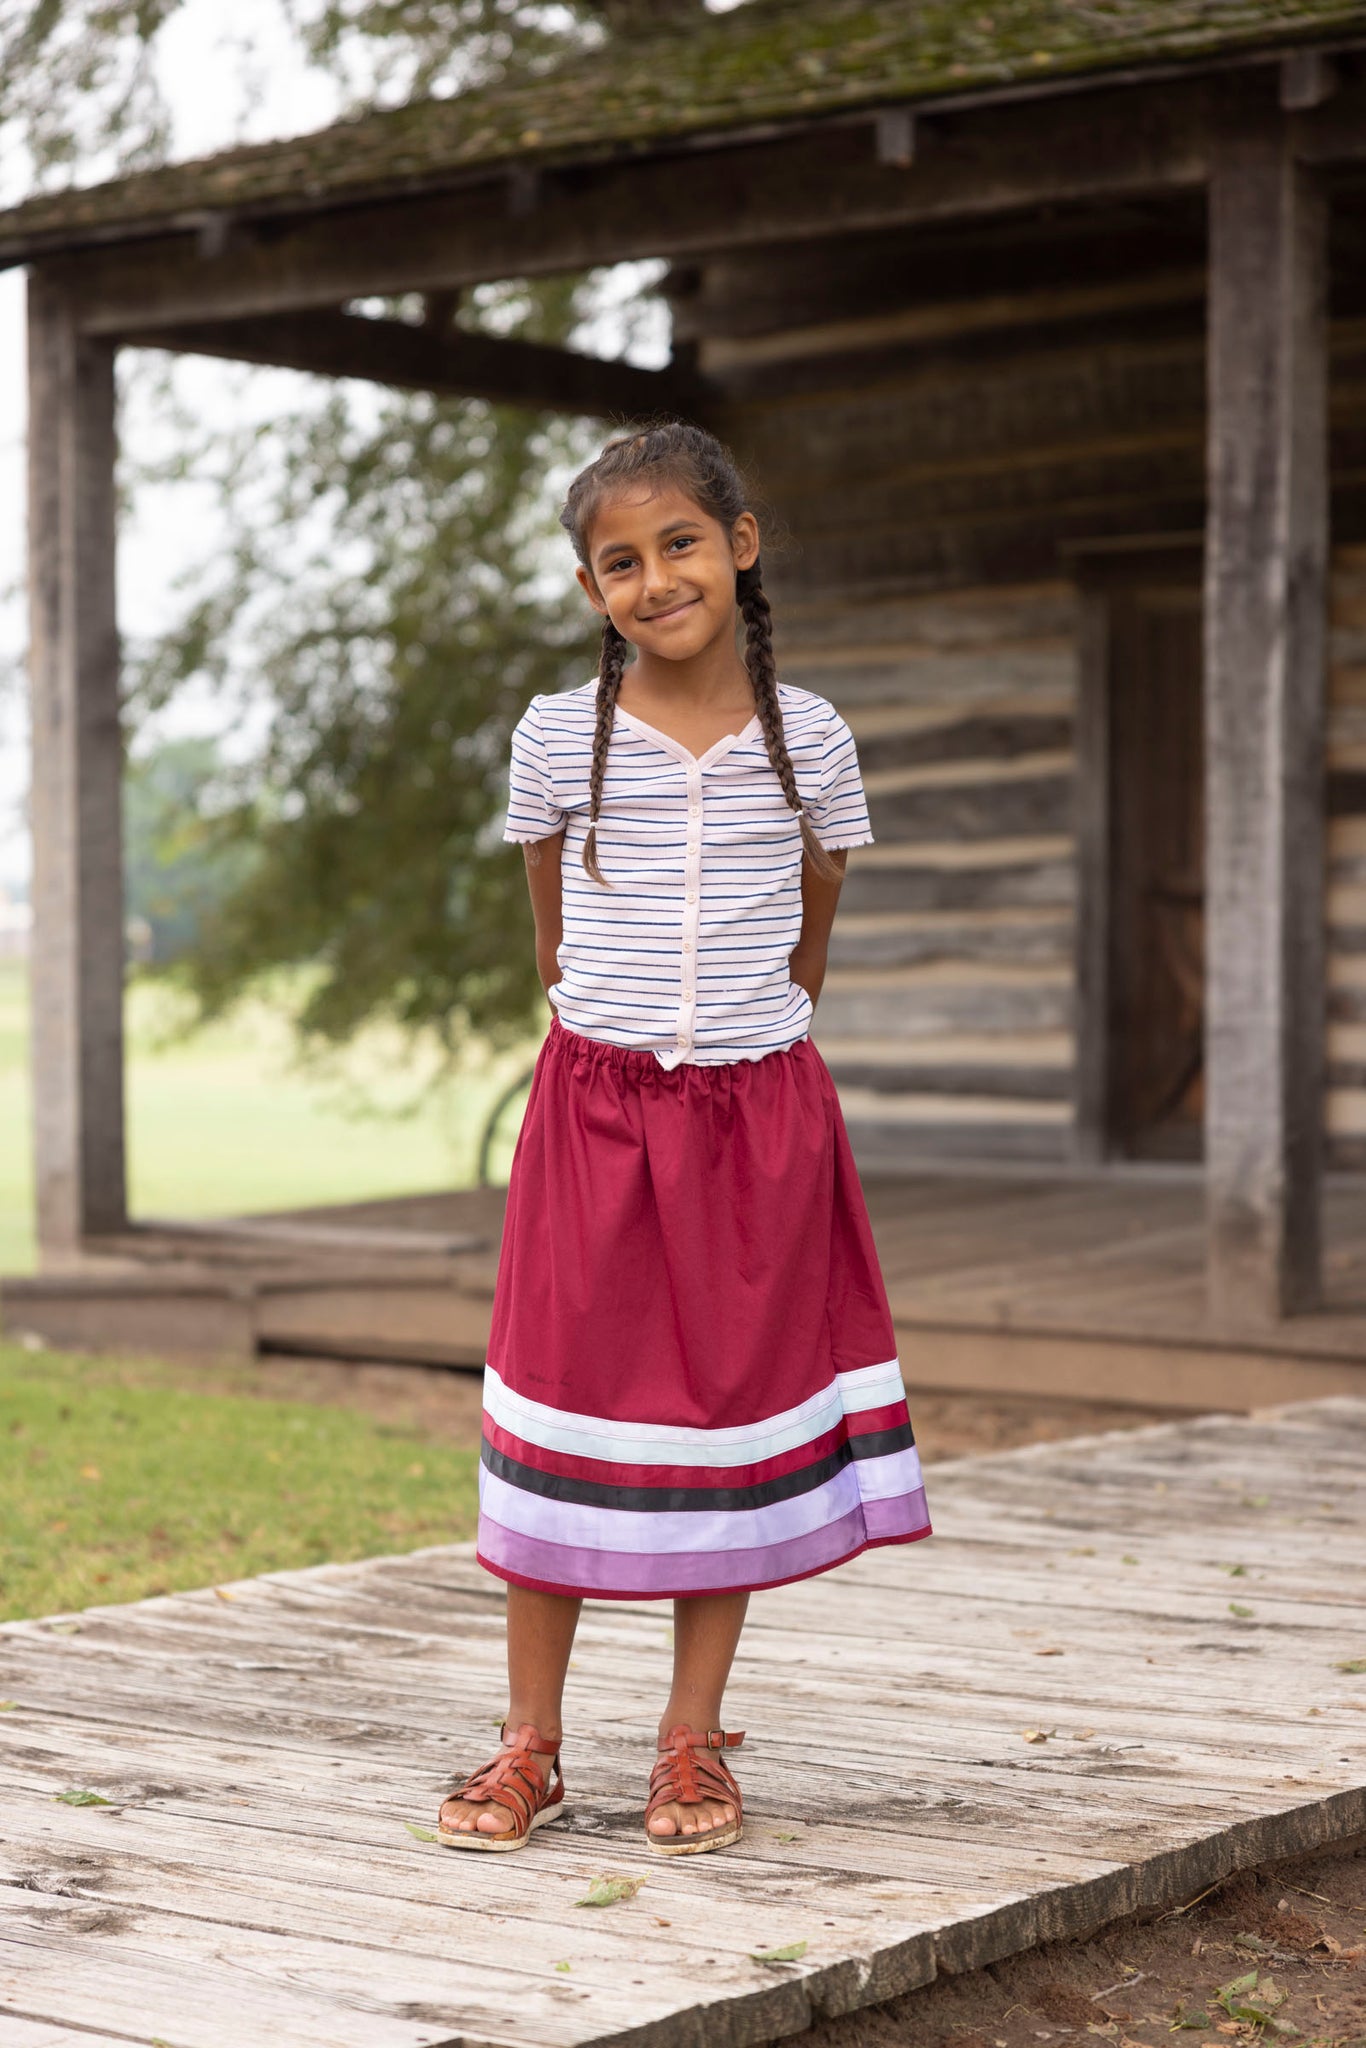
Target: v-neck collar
(675, 747)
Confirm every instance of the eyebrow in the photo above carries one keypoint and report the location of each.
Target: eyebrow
(621, 547)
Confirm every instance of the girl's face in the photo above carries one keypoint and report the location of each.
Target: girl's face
(663, 571)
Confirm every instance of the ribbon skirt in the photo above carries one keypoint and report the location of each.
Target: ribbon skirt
(692, 1384)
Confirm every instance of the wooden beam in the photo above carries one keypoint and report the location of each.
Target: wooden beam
(1265, 627)
(1122, 143)
(435, 357)
(77, 970)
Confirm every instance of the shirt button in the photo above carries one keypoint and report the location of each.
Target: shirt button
(692, 895)
(687, 945)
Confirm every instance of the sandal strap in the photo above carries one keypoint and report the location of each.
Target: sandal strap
(515, 1779)
(682, 1777)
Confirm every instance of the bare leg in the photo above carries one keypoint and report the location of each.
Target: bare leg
(706, 1634)
(540, 1637)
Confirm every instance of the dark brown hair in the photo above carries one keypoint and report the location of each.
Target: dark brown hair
(695, 461)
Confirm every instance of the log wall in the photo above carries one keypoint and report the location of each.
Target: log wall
(933, 430)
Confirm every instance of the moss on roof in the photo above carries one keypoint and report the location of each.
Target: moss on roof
(767, 61)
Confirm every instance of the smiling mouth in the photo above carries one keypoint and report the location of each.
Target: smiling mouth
(673, 612)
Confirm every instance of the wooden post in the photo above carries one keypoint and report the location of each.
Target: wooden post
(77, 967)
(1265, 638)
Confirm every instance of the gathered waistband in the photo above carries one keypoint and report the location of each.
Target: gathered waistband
(641, 1061)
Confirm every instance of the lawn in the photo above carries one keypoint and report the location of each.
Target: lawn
(120, 1483)
(225, 1121)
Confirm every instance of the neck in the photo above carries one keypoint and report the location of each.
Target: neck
(714, 675)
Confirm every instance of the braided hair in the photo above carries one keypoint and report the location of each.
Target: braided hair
(695, 461)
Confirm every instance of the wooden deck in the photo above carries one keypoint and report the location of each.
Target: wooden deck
(252, 1884)
(1046, 1282)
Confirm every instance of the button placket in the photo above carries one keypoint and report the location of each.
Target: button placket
(692, 911)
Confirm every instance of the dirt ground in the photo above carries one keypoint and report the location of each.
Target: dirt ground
(445, 1403)
(1275, 1955)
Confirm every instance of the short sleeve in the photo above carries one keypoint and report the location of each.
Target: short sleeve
(532, 810)
(840, 814)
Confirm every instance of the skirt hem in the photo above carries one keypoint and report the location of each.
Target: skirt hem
(513, 1578)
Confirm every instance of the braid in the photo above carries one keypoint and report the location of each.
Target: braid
(763, 674)
(674, 451)
(609, 682)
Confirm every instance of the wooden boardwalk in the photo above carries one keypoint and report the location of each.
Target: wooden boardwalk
(1169, 1613)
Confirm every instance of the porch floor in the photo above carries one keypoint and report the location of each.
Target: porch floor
(264, 1746)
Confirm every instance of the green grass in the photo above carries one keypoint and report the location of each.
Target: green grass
(225, 1122)
(119, 1484)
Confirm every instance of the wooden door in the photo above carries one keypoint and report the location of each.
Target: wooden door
(1156, 871)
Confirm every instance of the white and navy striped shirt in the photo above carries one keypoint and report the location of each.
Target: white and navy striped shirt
(686, 953)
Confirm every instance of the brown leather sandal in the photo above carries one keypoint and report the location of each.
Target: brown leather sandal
(516, 1781)
(684, 1778)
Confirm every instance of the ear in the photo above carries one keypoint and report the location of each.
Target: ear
(744, 541)
(590, 589)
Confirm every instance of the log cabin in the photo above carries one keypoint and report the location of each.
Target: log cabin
(1042, 329)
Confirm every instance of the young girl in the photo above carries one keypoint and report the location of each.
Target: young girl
(692, 1389)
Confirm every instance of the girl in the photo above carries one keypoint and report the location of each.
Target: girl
(692, 1389)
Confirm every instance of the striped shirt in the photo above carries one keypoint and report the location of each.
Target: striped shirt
(686, 953)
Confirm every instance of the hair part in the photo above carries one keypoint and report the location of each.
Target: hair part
(693, 460)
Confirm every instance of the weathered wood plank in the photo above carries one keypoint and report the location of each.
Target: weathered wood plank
(1265, 623)
(451, 363)
(77, 964)
(792, 186)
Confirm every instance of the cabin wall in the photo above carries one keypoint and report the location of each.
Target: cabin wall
(945, 1016)
(936, 430)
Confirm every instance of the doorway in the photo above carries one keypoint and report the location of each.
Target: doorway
(1141, 1008)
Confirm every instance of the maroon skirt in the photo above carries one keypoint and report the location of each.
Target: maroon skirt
(692, 1382)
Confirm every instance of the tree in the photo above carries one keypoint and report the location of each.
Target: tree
(419, 606)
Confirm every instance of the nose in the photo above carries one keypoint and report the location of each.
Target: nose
(658, 578)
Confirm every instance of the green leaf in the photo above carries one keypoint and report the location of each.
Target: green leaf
(608, 1891)
(1235, 1571)
(81, 1799)
(1185, 2018)
(1354, 1665)
(9, 1706)
(1128, 1560)
(64, 1628)
(1255, 1500)
(564, 1967)
(793, 1953)
(420, 1834)
(1236, 1607)
(787, 1838)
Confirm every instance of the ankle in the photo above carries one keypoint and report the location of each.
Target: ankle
(685, 1718)
(547, 1728)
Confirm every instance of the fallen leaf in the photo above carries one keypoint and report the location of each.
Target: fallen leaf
(64, 1628)
(1188, 2019)
(1083, 1734)
(420, 1834)
(1255, 1500)
(81, 1799)
(1354, 1665)
(1049, 1653)
(1236, 1607)
(1128, 1560)
(563, 1967)
(660, 1923)
(9, 1706)
(1235, 1571)
(222, 1593)
(1037, 1734)
(788, 1838)
(607, 1891)
(1085, 1551)
(793, 1953)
